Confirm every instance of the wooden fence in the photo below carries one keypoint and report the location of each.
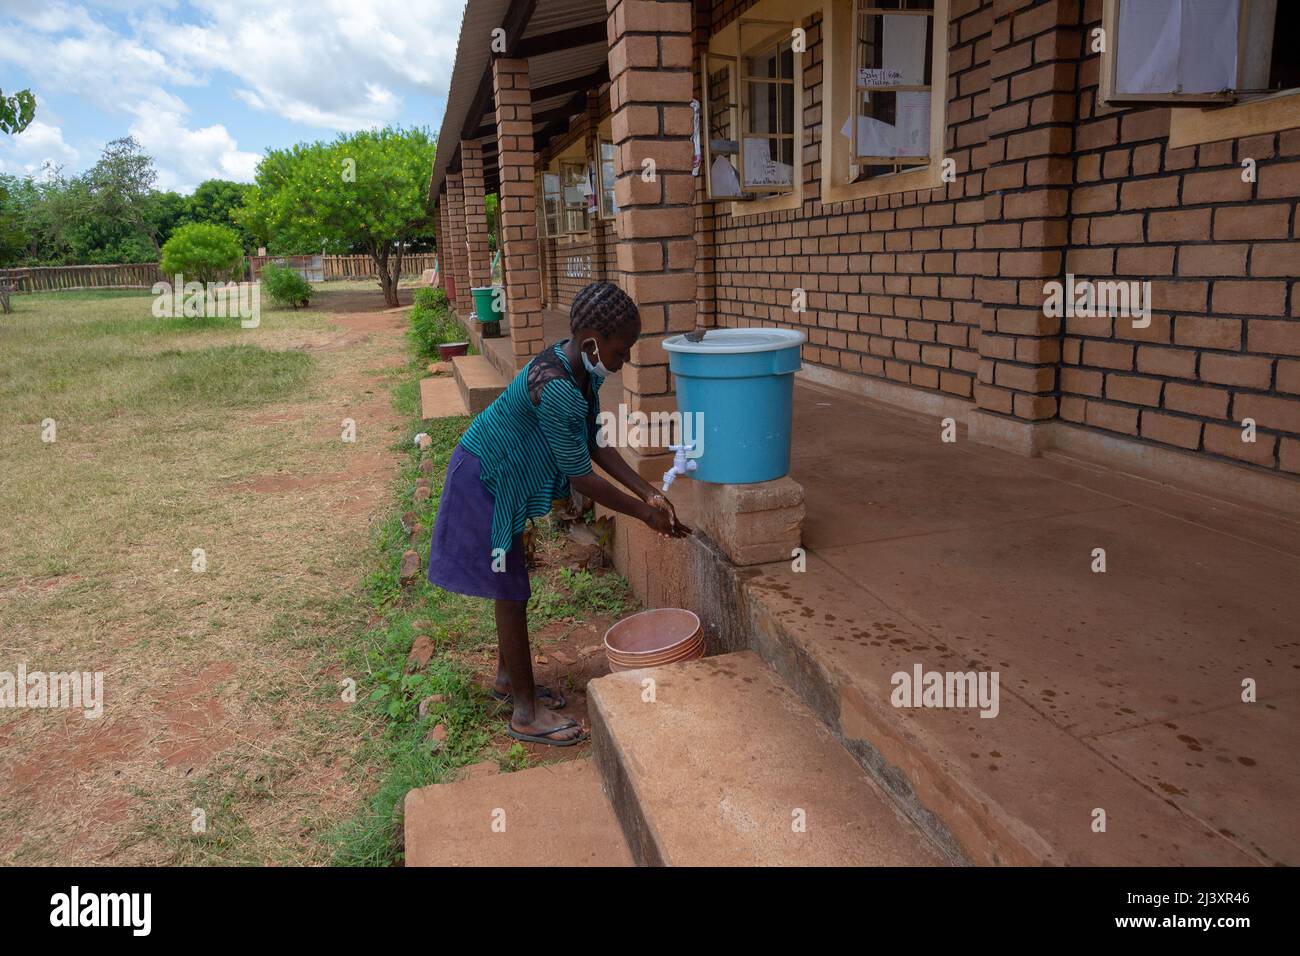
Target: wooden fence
(142, 275)
(134, 275)
(340, 267)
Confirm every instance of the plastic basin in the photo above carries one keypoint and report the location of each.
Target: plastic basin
(741, 384)
(653, 638)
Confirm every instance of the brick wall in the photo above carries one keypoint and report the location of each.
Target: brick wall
(889, 280)
(942, 289)
(1222, 257)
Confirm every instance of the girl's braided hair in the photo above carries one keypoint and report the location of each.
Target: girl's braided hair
(603, 307)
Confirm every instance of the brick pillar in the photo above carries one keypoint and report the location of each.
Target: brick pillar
(444, 243)
(522, 262)
(456, 235)
(1033, 79)
(476, 227)
(650, 66)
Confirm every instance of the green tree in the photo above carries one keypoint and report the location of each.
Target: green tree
(120, 184)
(365, 191)
(17, 111)
(203, 252)
(13, 238)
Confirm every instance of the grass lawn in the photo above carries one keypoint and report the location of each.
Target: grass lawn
(222, 686)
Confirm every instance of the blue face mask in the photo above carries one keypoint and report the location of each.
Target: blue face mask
(598, 367)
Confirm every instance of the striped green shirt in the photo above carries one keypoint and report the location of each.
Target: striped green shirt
(529, 452)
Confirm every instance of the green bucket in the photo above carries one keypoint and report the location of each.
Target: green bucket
(483, 299)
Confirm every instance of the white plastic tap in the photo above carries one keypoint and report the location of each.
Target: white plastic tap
(681, 464)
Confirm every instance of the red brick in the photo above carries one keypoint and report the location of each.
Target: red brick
(1268, 221)
(1195, 400)
(1248, 370)
(1212, 260)
(1272, 337)
(1221, 186)
(1226, 440)
(1132, 389)
(1176, 226)
(1115, 418)
(1279, 414)
(1171, 429)
(1249, 297)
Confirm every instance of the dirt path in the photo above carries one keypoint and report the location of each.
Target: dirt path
(221, 698)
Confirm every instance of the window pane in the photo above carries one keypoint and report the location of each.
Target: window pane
(761, 115)
(608, 208)
(765, 163)
(894, 50)
(787, 108)
(894, 124)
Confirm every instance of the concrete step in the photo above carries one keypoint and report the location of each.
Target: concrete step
(1014, 789)
(440, 398)
(726, 767)
(552, 815)
(478, 380)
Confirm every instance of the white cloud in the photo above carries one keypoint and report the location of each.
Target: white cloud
(331, 65)
(25, 153)
(184, 156)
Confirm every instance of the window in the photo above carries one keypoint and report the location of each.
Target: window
(767, 107)
(551, 201)
(892, 72)
(574, 187)
(885, 64)
(1191, 51)
(608, 173)
(753, 110)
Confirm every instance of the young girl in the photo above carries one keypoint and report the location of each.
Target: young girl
(524, 451)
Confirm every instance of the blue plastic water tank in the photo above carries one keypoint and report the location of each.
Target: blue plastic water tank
(741, 382)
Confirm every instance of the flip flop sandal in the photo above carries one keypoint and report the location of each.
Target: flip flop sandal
(552, 698)
(547, 737)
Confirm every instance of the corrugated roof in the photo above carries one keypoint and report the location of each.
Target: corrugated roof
(473, 57)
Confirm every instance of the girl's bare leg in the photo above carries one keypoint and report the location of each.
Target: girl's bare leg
(529, 717)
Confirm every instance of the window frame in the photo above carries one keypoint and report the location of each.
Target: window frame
(543, 194)
(606, 188)
(856, 158)
(1197, 118)
(839, 99)
(725, 46)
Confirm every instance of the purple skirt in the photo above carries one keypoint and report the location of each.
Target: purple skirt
(460, 557)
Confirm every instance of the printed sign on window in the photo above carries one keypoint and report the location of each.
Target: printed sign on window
(879, 77)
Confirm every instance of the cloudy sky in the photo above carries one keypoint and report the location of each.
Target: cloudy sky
(207, 85)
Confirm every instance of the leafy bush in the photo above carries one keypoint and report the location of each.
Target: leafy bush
(203, 252)
(432, 298)
(285, 286)
(432, 321)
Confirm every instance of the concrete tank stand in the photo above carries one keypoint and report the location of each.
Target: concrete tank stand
(751, 524)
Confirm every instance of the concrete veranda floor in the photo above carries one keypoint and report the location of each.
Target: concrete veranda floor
(1119, 691)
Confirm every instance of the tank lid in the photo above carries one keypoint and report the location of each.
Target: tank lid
(734, 341)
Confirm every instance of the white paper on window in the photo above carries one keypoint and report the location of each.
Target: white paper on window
(723, 177)
(761, 169)
(1176, 46)
(910, 136)
(903, 48)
